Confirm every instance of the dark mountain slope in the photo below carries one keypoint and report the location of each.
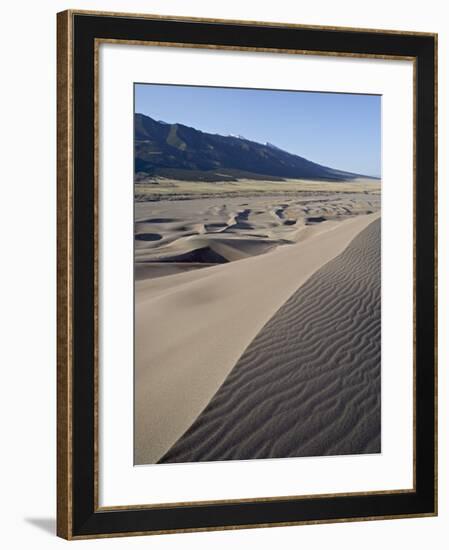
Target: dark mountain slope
(180, 152)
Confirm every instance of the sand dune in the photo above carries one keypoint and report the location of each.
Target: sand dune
(173, 236)
(192, 328)
(309, 383)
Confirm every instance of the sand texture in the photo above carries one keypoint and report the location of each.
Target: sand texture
(309, 383)
(196, 326)
(174, 236)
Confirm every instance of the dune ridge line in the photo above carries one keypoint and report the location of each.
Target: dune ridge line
(192, 328)
(309, 383)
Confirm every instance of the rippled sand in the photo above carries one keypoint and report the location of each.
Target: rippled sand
(212, 278)
(309, 383)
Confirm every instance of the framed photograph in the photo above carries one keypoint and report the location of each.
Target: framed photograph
(246, 274)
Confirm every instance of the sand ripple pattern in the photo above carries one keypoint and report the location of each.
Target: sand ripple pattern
(309, 383)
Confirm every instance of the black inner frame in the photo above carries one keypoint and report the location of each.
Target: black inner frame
(88, 521)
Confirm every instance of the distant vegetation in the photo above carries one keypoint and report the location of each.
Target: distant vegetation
(178, 152)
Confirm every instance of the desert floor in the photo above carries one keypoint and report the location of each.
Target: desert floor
(257, 322)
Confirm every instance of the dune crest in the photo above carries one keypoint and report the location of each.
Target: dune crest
(309, 383)
(192, 328)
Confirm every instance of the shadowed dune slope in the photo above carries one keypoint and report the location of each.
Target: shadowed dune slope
(309, 383)
(192, 328)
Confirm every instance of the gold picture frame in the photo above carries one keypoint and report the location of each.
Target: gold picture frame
(79, 513)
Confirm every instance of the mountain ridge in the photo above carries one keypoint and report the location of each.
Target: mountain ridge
(181, 152)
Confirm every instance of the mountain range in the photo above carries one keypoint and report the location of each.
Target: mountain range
(180, 152)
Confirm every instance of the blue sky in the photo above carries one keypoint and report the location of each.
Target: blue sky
(338, 130)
